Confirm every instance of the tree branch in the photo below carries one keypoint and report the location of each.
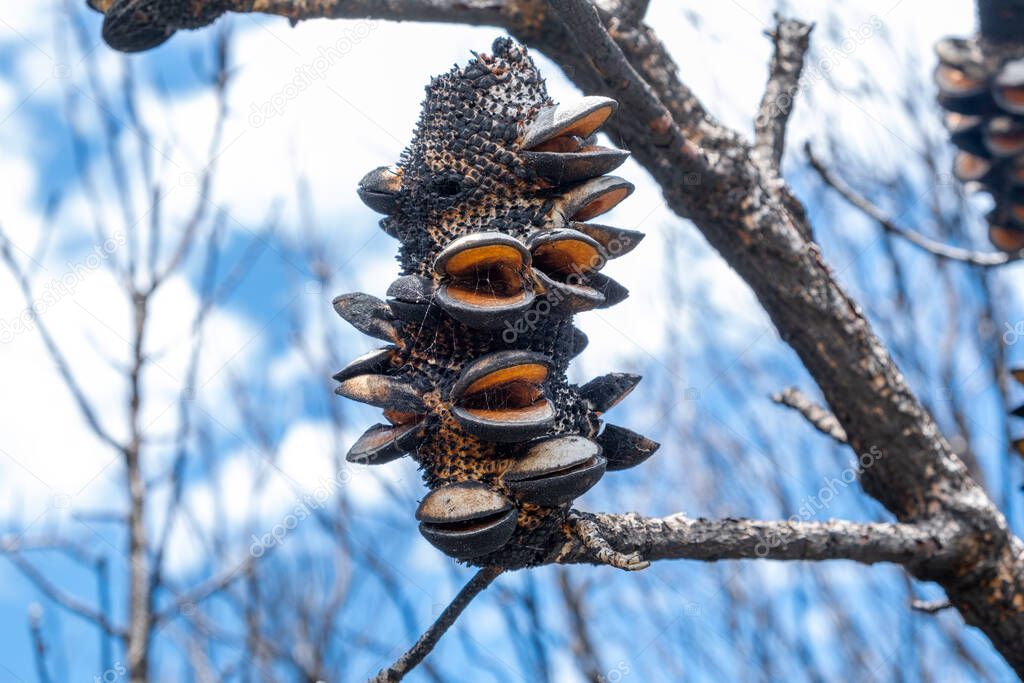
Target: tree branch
(944, 251)
(408, 661)
(59, 597)
(819, 418)
(678, 537)
(63, 368)
(588, 34)
(35, 619)
(791, 39)
(587, 659)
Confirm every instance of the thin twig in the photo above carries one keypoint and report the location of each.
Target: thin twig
(820, 418)
(574, 599)
(202, 591)
(68, 602)
(63, 367)
(791, 39)
(35, 618)
(978, 258)
(408, 661)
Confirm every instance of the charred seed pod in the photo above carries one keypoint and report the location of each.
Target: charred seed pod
(137, 25)
(984, 101)
(491, 205)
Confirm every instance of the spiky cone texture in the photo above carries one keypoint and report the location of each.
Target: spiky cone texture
(487, 203)
(983, 96)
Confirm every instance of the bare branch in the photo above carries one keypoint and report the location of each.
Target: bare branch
(679, 537)
(628, 12)
(820, 418)
(59, 597)
(221, 81)
(408, 661)
(587, 660)
(55, 353)
(607, 61)
(791, 39)
(35, 618)
(944, 251)
(204, 590)
(471, 12)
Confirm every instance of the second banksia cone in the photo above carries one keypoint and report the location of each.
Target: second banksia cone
(984, 102)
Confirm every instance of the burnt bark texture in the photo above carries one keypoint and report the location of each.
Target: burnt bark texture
(947, 529)
(678, 537)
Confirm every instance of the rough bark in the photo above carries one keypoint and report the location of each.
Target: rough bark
(677, 537)
(791, 39)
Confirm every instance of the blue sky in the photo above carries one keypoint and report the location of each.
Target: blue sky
(356, 113)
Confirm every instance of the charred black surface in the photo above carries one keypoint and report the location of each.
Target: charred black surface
(137, 25)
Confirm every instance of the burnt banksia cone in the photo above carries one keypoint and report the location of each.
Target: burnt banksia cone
(491, 203)
(984, 102)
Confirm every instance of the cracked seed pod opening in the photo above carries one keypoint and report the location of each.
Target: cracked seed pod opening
(971, 168)
(383, 443)
(563, 261)
(500, 397)
(556, 471)
(1004, 136)
(382, 391)
(1008, 88)
(370, 363)
(967, 133)
(483, 279)
(1005, 238)
(489, 204)
(616, 242)
(379, 189)
(466, 520)
(593, 198)
(558, 127)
